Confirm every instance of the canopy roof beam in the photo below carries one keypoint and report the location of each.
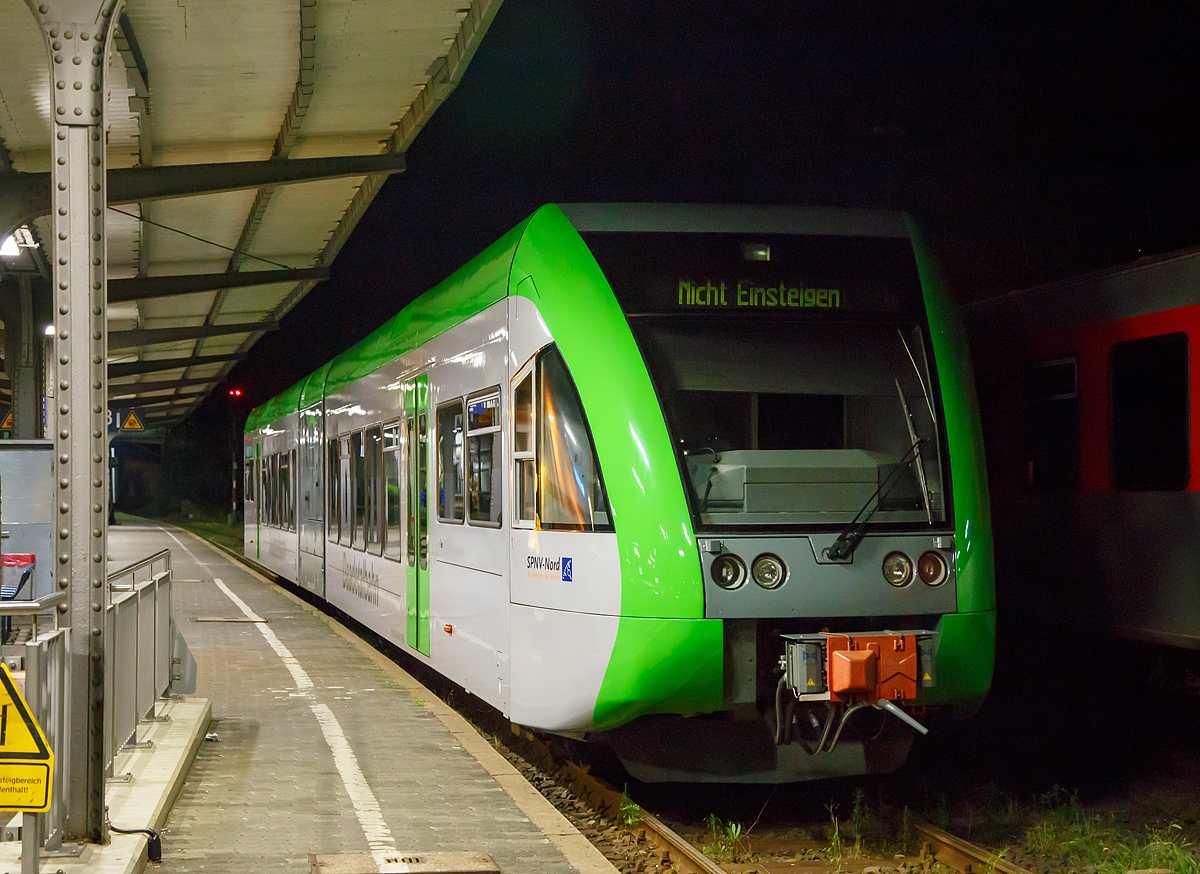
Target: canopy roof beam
(142, 287)
(147, 337)
(154, 365)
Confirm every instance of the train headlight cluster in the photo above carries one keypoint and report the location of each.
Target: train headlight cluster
(932, 568)
(898, 569)
(728, 571)
(768, 571)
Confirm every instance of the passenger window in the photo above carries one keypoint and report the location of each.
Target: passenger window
(450, 461)
(374, 490)
(274, 475)
(248, 489)
(391, 485)
(334, 481)
(346, 512)
(524, 460)
(285, 491)
(358, 537)
(570, 492)
(1150, 435)
(1053, 401)
(484, 474)
(523, 415)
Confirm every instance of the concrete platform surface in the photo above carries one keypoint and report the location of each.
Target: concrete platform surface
(324, 752)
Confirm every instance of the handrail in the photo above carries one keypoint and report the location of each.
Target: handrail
(131, 570)
(28, 608)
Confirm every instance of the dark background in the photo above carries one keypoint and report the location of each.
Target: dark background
(1033, 142)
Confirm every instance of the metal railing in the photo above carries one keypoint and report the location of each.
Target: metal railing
(138, 668)
(47, 685)
(137, 672)
(127, 578)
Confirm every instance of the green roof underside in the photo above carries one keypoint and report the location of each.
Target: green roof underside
(276, 408)
(469, 290)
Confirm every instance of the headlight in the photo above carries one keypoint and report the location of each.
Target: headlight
(768, 571)
(898, 569)
(728, 571)
(932, 569)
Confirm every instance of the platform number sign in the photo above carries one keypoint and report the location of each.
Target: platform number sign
(26, 762)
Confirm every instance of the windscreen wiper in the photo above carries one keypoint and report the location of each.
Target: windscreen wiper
(843, 548)
(912, 435)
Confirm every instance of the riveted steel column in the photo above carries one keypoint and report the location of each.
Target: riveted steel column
(78, 34)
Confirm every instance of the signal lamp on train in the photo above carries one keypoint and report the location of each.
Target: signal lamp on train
(932, 568)
(898, 569)
(769, 571)
(728, 571)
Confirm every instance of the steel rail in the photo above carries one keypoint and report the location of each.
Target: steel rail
(664, 841)
(962, 855)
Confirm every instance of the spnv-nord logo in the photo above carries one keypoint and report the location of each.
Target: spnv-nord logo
(566, 570)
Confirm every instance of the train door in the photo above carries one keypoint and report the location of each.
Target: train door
(252, 500)
(416, 434)
(312, 501)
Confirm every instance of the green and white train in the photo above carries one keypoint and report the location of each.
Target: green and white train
(704, 483)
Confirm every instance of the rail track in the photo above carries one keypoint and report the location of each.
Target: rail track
(675, 851)
(938, 845)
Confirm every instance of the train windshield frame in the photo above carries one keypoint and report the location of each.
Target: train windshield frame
(796, 388)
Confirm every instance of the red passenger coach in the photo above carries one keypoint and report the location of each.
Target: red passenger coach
(1088, 389)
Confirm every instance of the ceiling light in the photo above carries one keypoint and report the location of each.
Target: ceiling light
(756, 251)
(9, 248)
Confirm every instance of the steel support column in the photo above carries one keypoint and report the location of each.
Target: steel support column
(78, 34)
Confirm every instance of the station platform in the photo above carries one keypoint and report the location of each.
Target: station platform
(321, 755)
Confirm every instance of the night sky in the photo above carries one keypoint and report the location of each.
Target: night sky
(1033, 141)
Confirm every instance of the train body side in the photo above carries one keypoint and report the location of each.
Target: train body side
(1091, 394)
(582, 630)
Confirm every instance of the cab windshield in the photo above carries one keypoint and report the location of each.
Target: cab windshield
(799, 423)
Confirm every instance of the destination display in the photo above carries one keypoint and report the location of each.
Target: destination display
(805, 277)
(744, 293)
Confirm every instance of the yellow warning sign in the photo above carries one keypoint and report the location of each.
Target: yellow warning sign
(811, 682)
(26, 763)
(6, 425)
(927, 677)
(132, 423)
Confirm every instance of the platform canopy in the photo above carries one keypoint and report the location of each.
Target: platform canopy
(245, 141)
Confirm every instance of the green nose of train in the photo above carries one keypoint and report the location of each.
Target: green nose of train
(702, 483)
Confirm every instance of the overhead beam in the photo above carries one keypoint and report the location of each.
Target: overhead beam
(25, 196)
(159, 385)
(133, 368)
(156, 402)
(142, 287)
(150, 336)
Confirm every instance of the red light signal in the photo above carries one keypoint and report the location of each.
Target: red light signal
(235, 392)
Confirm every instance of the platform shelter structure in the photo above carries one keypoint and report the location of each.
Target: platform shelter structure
(174, 178)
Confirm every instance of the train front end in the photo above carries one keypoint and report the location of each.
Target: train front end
(817, 397)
